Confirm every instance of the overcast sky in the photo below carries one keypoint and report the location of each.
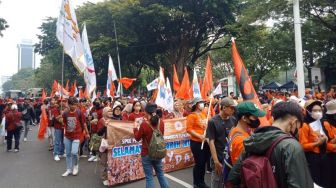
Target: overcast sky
(24, 17)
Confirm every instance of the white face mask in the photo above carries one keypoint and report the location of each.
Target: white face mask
(201, 106)
(317, 115)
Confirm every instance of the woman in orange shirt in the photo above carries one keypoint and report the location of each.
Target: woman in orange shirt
(196, 126)
(313, 138)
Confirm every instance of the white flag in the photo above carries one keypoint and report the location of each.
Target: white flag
(76, 92)
(196, 87)
(118, 90)
(161, 94)
(111, 76)
(218, 90)
(94, 95)
(89, 73)
(153, 85)
(169, 97)
(67, 33)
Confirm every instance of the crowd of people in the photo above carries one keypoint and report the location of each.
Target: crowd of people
(224, 133)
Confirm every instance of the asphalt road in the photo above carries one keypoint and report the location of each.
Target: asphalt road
(34, 167)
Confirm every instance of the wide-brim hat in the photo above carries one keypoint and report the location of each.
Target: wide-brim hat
(331, 107)
(312, 102)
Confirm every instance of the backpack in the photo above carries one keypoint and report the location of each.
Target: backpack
(157, 145)
(256, 170)
(95, 142)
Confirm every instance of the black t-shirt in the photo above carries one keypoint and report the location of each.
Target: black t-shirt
(218, 130)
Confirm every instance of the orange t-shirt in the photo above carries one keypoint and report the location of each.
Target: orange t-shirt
(307, 138)
(196, 122)
(332, 135)
(236, 137)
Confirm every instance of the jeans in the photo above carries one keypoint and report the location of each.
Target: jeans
(148, 164)
(26, 127)
(16, 133)
(200, 157)
(58, 142)
(71, 149)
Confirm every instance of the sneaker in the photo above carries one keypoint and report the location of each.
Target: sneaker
(62, 156)
(91, 158)
(95, 159)
(56, 158)
(25, 139)
(75, 170)
(9, 150)
(16, 150)
(83, 156)
(66, 173)
(30, 129)
(106, 183)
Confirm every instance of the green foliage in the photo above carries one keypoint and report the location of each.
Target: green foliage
(22, 80)
(3, 25)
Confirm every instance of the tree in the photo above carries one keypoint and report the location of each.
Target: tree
(22, 80)
(3, 25)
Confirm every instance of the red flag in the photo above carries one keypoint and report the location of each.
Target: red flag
(112, 89)
(67, 86)
(184, 91)
(54, 87)
(81, 94)
(43, 124)
(245, 84)
(127, 82)
(207, 82)
(176, 82)
(73, 89)
(44, 95)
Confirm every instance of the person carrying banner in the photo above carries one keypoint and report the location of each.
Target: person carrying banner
(287, 160)
(73, 121)
(248, 114)
(217, 132)
(196, 126)
(144, 131)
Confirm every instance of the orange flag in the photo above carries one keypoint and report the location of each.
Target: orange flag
(154, 95)
(112, 89)
(43, 124)
(85, 93)
(185, 89)
(244, 81)
(67, 85)
(207, 84)
(127, 82)
(81, 94)
(44, 95)
(54, 87)
(73, 89)
(176, 82)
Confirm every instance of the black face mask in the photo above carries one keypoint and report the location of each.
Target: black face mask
(254, 123)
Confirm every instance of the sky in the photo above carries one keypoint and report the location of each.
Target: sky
(24, 17)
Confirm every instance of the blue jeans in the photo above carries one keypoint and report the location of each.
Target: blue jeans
(148, 164)
(58, 142)
(71, 149)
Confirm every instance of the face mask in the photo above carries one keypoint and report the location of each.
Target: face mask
(317, 115)
(201, 106)
(254, 123)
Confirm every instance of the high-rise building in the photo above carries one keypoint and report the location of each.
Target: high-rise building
(26, 55)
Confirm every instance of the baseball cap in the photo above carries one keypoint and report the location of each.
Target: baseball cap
(195, 101)
(331, 107)
(250, 108)
(227, 101)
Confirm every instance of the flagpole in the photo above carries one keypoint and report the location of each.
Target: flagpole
(209, 109)
(116, 36)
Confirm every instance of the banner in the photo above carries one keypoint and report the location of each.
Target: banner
(124, 159)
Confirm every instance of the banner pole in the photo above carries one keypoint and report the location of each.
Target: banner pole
(116, 36)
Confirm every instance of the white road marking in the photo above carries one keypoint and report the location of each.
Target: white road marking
(185, 184)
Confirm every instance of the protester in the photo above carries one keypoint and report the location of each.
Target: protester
(178, 109)
(196, 126)
(96, 113)
(313, 139)
(217, 132)
(13, 127)
(73, 121)
(51, 127)
(187, 108)
(27, 116)
(127, 111)
(287, 159)
(53, 114)
(117, 108)
(136, 112)
(144, 131)
(248, 120)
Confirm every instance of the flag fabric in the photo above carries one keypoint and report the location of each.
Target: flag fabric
(43, 124)
(111, 75)
(44, 95)
(153, 85)
(169, 97)
(67, 86)
(94, 96)
(184, 91)
(85, 93)
(54, 88)
(89, 73)
(81, 94)
(176, 82)
(161, 94)
(68, 35)
(74, 90)
(244, 82)
(118, 90)
(195, 86)
(127, 82)
(218, 90)
(207, 84)
(112, 89)
(63, 92)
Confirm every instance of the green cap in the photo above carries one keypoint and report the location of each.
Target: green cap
(250, 108)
